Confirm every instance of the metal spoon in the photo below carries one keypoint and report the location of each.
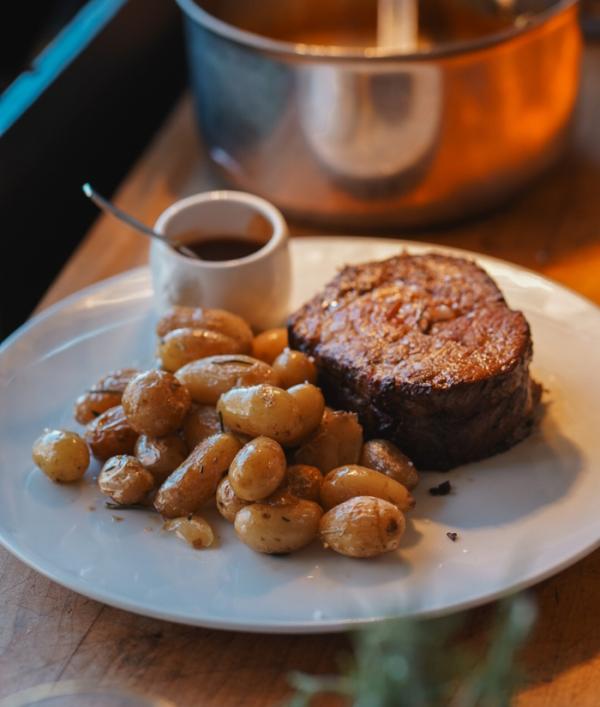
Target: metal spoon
(398, 25)
(106, 206)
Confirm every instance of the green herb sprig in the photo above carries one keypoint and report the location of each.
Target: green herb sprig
(412, 663)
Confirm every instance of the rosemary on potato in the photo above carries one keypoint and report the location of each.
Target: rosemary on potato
(127, 507)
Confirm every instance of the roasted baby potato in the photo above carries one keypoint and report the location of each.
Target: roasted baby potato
(196, 480)
(385, 457)
(262, 410)
(311, 404)
(62, 455)
(156, 403)
(228, 504)
(352, 480)
(111, 434)
(304, 481)
(182, 346)
(217, 320)
(103, 395)
(193, 529)
(294, 367)
(258, 469)
(363, 526)
(278, 529)
(337, 441)
(268, 345)
(208, 378)
(202, 421)
(160, 455)
(125, 480)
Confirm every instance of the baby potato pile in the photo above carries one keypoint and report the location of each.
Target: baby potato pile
(235, 420)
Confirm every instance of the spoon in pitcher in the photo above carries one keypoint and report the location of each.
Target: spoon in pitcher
(109, 208)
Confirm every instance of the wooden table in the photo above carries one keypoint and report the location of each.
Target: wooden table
(50, 634)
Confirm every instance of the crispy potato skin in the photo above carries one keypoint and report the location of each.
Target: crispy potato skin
(201, 422)
(217, 320)
(258, 469)
(278, 529)
(363, 526)
(111, 434)
(182, 346)
(156, 403)
(269, 344)
(337, 441)
(103, 395)
(352, 480)
(196, 480)
(384, 456)
(293, 368)
(262, 410)
(304, 481)
(125, 480)
(228, 504)
(62, 455)
(311, 404)
(160, 455)
(208, 378)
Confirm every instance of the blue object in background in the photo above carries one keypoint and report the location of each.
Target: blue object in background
(84, 109)
(55, 58)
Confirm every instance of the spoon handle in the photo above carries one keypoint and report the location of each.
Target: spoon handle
(106, 205)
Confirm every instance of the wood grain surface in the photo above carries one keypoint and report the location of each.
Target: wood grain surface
(50, 634)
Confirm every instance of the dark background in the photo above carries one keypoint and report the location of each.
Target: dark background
(90, 124)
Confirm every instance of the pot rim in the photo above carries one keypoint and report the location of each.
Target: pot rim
(316, 52)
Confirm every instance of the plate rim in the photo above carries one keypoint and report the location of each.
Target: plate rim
(320, 626)
(71, 582)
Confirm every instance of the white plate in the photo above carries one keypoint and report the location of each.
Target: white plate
(520, 516)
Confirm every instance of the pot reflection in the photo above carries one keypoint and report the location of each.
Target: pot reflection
(368, 124)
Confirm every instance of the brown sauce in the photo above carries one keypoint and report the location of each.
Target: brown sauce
(220, 248)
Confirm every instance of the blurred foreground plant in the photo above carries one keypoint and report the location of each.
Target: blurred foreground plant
(412, 663)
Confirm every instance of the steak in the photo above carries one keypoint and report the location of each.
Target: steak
(427, 352)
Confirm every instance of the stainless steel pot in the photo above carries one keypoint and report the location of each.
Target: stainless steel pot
(365, 138)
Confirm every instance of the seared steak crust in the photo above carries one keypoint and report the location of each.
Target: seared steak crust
(425, 349)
